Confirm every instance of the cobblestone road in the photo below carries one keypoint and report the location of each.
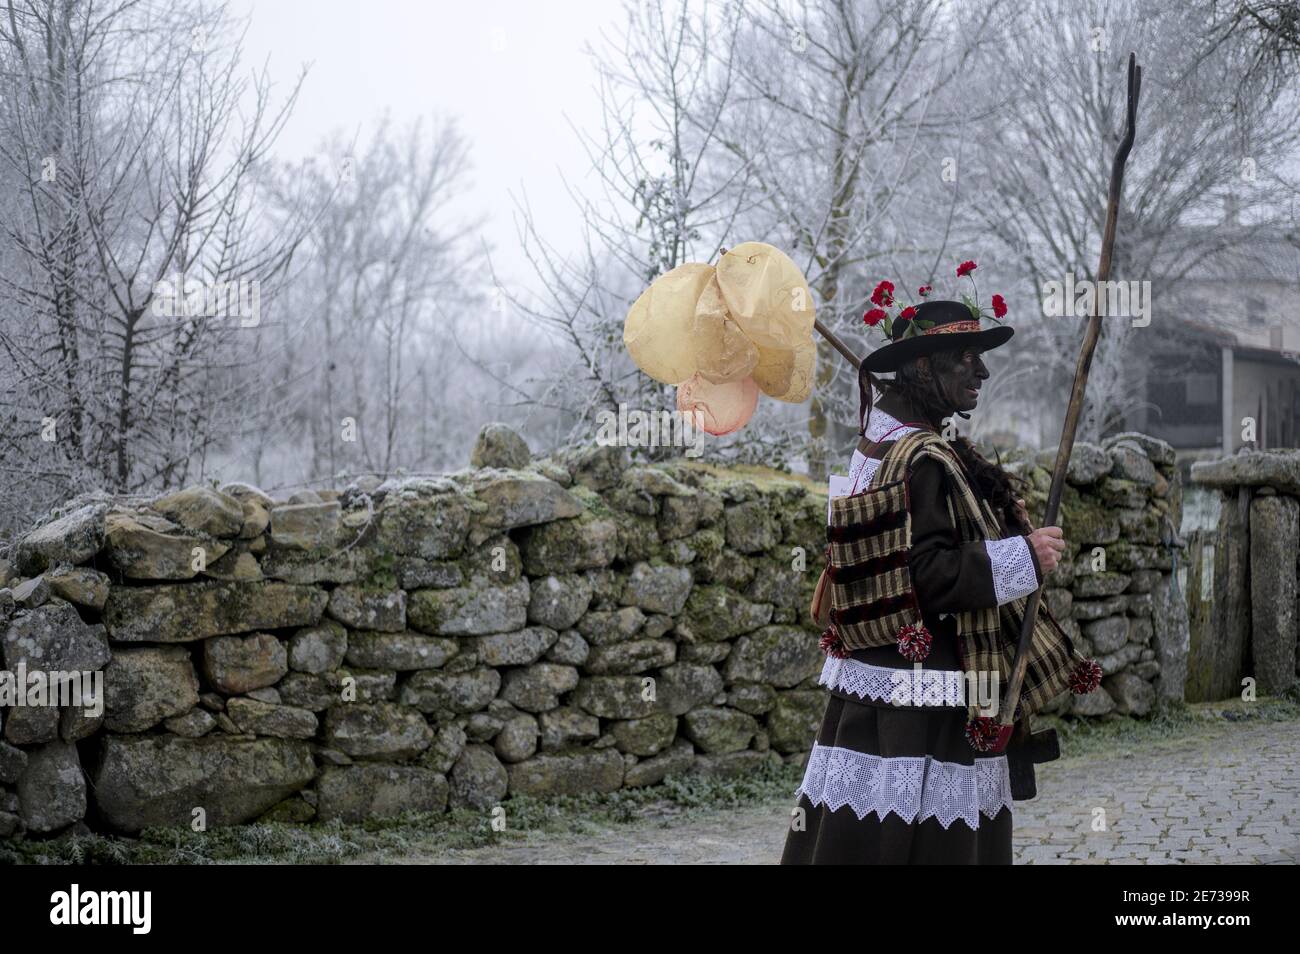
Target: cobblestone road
(1228, 796)
(1231, 797)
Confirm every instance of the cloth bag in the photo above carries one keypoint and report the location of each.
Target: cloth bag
(866, 594)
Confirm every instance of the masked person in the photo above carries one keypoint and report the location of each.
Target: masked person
(899, 778)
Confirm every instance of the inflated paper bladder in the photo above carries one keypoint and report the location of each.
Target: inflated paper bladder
(719, 408)
(769, 299)
(749, 323)
(787, 375)
(723, 353)
(659, 331)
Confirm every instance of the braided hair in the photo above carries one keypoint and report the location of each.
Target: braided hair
(998, 487)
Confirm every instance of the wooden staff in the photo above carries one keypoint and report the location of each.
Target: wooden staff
(840, 346)
(1075, 409)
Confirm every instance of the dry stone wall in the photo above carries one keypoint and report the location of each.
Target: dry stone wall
(1118, 596)
(552, 625)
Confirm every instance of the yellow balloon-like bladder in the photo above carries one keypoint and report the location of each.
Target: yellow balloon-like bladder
(749, 319)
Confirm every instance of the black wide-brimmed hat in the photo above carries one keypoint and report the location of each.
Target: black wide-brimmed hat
(954, 326)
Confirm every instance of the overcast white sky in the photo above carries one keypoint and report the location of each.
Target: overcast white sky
(510, 71)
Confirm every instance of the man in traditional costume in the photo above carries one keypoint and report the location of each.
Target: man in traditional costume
(904, 769)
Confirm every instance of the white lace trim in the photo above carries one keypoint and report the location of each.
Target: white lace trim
(879, 424)
(913, 788)
(862, 468)
(1013, 568)
(901, 687)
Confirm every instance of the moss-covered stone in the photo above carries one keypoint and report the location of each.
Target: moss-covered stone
(717, 729)
(430, 527)
(469, 610)
(656, 588)
(681, 687)
(156, 780)
(645, 737)
(520, 498)
(751, 527)
(572, 773)
(566, 546)
(793, 722)
(715, 613)
(1087, 522)
(617, 697)
(382, 731)
(188, 611)
(355, 793)
(634, 656)
(781, 656)
(431, 690)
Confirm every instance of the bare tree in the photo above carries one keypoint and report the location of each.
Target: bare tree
(837, 110)
(1271, 26)
(1040, 167)
(365, 328)
(129, 137)
(664, 81)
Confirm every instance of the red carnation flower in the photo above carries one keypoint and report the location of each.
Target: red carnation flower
(907, 314)
(999, 306)
(925, 290)
(884, 294)
(914, 642)
(965, 268)
(874, 317)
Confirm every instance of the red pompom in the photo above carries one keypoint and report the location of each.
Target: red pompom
(1085, 677)
(986, 734)
(831, 645)
(914, 642)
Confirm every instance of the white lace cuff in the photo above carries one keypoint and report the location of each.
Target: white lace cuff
(1013, 568)
(913, 788)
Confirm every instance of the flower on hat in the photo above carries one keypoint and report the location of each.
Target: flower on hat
(882, 296)
(965, 270)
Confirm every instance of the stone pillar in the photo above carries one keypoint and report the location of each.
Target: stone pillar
(1274, 542)
(1172, 636)
(1218, 601)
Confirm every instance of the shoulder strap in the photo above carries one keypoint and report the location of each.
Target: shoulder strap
(865, 447)
(898, 460)
(974, 507)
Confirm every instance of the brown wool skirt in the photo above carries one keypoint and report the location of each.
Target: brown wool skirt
(894, 785)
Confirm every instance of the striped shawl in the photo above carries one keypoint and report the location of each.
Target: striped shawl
(870, 585)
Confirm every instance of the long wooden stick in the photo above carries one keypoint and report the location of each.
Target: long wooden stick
(1074, 411)
(840, 346)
